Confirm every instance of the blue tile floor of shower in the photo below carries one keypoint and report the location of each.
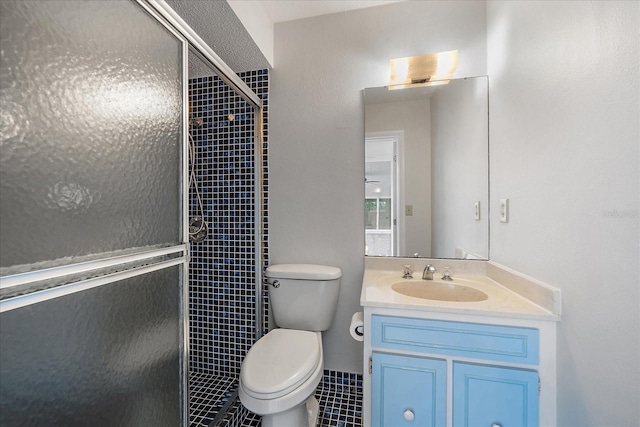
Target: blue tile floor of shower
(340, 398)
(207, 395)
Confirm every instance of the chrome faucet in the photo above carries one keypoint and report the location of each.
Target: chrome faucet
(427, 274)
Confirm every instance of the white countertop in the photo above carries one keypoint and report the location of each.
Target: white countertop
(501, 301)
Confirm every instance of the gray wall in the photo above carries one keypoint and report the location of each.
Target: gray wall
(564, 143)
(317, 132)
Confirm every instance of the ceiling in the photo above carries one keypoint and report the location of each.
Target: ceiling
(289, 10)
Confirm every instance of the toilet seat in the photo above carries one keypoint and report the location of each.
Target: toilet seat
(280, 362)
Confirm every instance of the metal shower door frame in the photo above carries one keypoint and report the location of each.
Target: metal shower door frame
(225, 73)
(230, 78)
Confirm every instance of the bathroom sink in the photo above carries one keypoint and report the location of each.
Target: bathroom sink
(440, 291)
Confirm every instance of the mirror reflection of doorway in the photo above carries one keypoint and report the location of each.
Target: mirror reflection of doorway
(381, 195)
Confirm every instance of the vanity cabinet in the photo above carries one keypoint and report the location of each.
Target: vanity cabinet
(434, 372)
(408, 391)
(494, 396)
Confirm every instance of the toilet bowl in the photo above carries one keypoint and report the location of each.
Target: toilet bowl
(281, 371)
(279, 376)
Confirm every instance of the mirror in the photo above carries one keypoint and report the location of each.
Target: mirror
(427, 170)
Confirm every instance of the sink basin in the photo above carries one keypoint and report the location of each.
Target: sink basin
(439, 291)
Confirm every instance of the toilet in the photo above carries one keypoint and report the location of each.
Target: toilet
(281, 371)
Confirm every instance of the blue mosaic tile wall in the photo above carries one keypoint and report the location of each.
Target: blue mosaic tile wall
(222, 272)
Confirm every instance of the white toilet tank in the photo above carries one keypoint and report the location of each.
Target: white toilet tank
(303, 296)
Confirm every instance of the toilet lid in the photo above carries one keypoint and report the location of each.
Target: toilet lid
(279, 362)
(303, 272)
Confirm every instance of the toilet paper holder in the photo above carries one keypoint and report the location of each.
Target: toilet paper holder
(356, 327)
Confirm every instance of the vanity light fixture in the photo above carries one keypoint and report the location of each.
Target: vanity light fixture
(423, 70)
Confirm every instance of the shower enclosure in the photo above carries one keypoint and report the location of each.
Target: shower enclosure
(226, 316)
(96, 295)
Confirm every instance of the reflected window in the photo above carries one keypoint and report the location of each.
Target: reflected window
(377, 214)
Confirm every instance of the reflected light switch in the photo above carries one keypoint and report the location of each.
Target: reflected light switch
(504, 210)
(477, 211)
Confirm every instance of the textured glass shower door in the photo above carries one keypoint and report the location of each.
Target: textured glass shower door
(91, 139)
(92, 201)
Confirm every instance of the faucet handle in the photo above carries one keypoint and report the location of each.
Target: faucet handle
(446, 274)
(407, 271)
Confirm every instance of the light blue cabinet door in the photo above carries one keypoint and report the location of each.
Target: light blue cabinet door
(488, 395)
(408, 391)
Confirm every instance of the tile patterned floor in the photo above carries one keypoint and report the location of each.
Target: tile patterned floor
(339, 395)
(207, 394)
(340, 398)
(239, 416)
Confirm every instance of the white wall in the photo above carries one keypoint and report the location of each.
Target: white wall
(564, 149)
(412, 117)
(316, 139)
(258, 24)
(460, 160)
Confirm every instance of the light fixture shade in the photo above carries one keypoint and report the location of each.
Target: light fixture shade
(423, 70)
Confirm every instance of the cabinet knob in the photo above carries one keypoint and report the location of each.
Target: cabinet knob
(409, 415)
